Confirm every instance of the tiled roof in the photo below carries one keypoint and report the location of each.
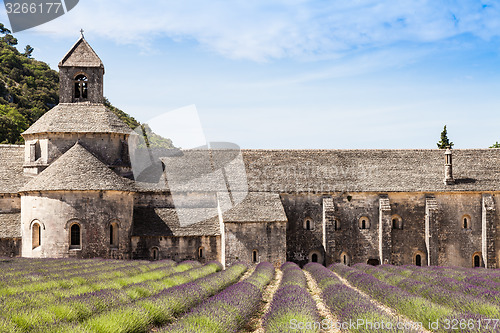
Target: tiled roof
(10, 225)
(11, 168)
(79, 118)
(257, 207)
(81, 55)
(401, 170)
(78, 170)
(193, 170)
(165, 222)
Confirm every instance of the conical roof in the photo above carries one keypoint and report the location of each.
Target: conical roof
(79, 118)
(78, 170)
(81, 55)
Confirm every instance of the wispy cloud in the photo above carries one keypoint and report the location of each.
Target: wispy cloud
(261, 30)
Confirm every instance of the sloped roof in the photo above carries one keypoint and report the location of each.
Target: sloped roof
(193, 170)
(12, 177)
(10, 225)
(165, 222)
(400, 170)
(79, 118)
(350, 170)
(81, 55)
(257, 207)
(78, 170)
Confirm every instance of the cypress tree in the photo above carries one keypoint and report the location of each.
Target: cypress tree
(445, 142)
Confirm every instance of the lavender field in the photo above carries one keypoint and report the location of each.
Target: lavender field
(66, 295)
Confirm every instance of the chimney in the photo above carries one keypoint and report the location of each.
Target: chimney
(448, 168)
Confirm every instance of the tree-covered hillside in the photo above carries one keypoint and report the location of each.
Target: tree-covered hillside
(29, 88)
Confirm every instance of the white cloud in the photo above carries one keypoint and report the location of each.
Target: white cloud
(260, 30)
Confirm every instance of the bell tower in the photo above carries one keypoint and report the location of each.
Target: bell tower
(81, 75)
(79, 117)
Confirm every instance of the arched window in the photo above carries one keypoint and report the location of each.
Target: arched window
(397, 222)
(373, 262)
(114, 234)
(75, 241)
(477, 260)
(418, 260)
(315, 256)
(200, 252)
(81, 86)
(364, 223)
(344, 259)
(255, 256)
(36, 235)
(466, 222)
(308, 224)
(155, 253)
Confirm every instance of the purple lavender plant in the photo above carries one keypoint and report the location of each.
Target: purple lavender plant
(292, 303)
(228, 310)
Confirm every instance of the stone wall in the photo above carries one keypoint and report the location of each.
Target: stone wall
(10, 203)
(67, 85)
(359, 244)
(111, 149)
(456, 244)
(337, 228)
(93, 211)
(301, 244)
(184, 200)
(267, 238)
(176, 248)
(10, 247)
(410, 240)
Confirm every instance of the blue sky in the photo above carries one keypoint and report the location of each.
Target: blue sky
(297, 74)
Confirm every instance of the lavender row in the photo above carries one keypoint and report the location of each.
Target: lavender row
(489, 279)
(116, 277)
(15, 283)
(396, 274)
(457, 301)
(460, 273)
(20, 267)
(417, 308)
(32, 300)
(292, 306)
(161, 308)
(349, 306)
(229, 310)
(83, 307)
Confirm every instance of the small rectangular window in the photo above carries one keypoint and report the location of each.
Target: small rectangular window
(32, 152)
(35, 151)
(113, 235)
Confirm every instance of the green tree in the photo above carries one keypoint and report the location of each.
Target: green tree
(28, 50)
(10, 40)
(445, 142)
(4, 30)
(12, 124)
(495, 145)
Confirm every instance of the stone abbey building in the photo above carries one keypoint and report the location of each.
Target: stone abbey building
(70, 191)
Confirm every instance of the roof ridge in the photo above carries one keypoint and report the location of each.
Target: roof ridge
(67, 118)
(74, 47)
(78, 170)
